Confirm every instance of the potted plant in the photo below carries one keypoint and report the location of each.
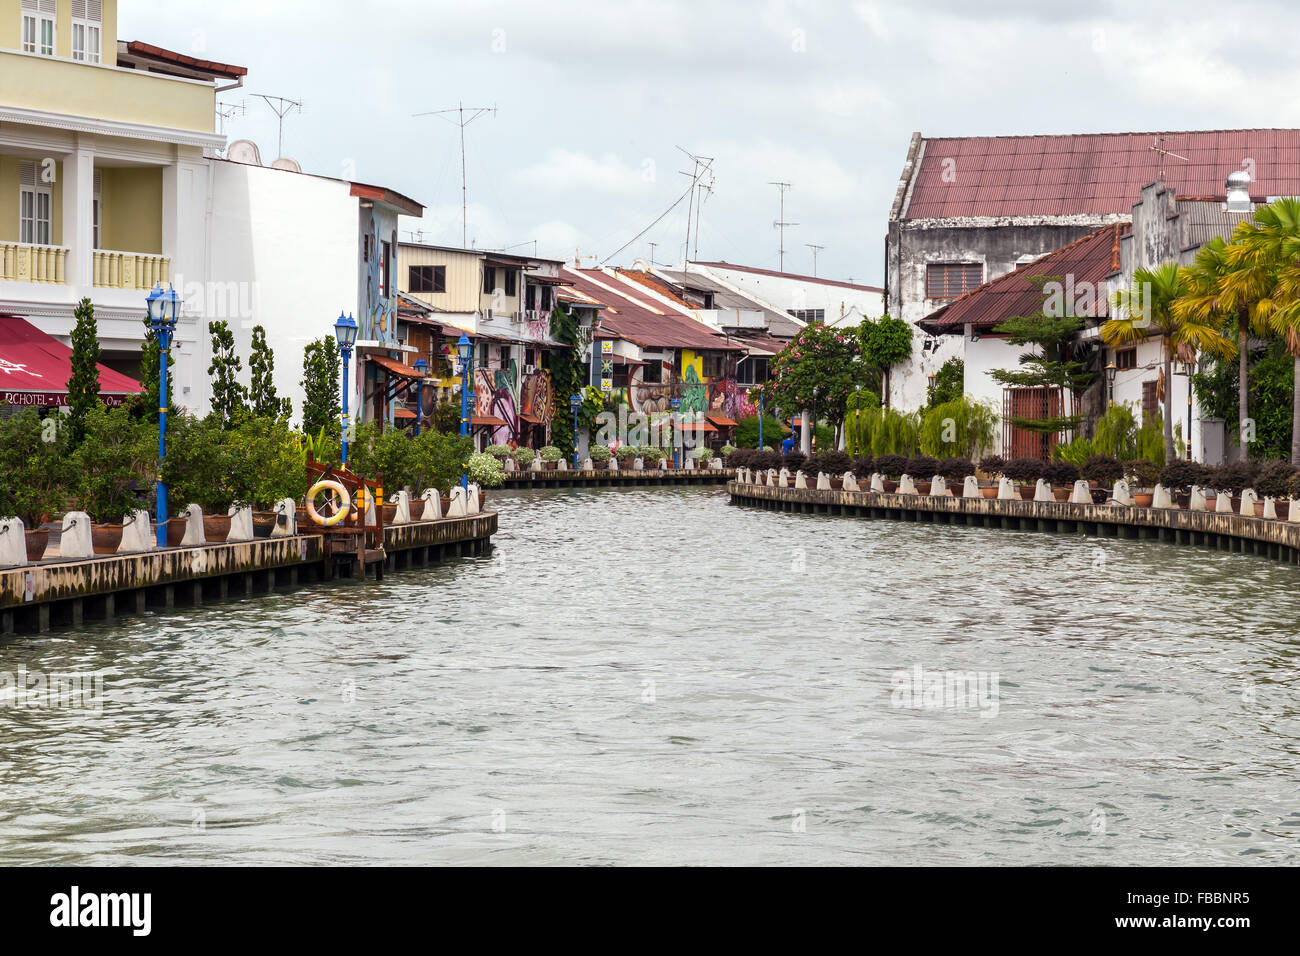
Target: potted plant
(1025, 472)
(485, 471)
(625, 455)
(1061, 475)
(726, 451)
(1142, 475)
(499, 452)
(703, 456)
(891, 468)
(863, 468)
(834, 464)
(523, 457)
(1101, 470)
(1179, 476)
(599, 456)
(34, 463)
(115, 466)
(956, 471)
(922, 468)
(763, 460)
(1274, 481)
(792, 462)
(650, 455)
(1231, 478)
(991, 466)
(551, 457)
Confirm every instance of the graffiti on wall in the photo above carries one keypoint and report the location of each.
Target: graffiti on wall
(504, 394)
(378, 322)
(730, 399)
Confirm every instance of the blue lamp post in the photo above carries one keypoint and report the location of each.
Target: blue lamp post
(421, 369)
(345, 333)
(575, 402)
(464, 352)
(163, 307)
(676, 404)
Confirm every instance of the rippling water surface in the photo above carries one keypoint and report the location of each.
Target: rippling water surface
(653, 676)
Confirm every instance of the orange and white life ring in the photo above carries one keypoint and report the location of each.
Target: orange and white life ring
(337, 489)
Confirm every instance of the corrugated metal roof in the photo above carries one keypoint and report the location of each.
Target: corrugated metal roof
(778, 323)
(644, 323)
(1090, 259)
(1095, 174)
(798, 277)
(1204, 220)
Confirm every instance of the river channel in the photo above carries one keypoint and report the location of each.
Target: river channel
(653, 676)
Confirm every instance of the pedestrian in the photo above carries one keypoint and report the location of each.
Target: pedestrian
(787, 445)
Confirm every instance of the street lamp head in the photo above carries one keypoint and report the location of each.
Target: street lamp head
(463, 348)
(1111, 369)
(421, 366)
(154, 300)
(164, 306)
(345, 331)
(575, 401)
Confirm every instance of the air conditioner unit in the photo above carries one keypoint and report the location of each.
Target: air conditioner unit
(530, 369)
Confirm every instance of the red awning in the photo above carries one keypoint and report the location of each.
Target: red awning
(35, 368)
(487, 421)
(719, 419)
(403, 413)
(394, 366)
(531, 418)
(696, 427)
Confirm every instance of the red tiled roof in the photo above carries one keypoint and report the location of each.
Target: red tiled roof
(789, 275)
(656, 284)
(150, 52)
(643, 322)
(1090, 259)
(1092, 174)
(386, 195)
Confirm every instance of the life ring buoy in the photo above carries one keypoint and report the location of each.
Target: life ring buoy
(343, 496)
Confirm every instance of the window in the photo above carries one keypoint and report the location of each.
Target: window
(653, 372)
(1029, 403)
(489, 280)
(384, 277)
(504, 354)
(87, 25)
(809, 315)
(752, 370)
(1126, 358)
(547, 304)
(948, 280)
(620, 375)
(38, 26)
(530, 297)
(427, 279)
(1150, 407)
(34, 203)
(97, 211)
(511, 278)
(482, 354)
(530, 357)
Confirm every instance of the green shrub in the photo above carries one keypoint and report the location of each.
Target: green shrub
(524, 457)
(706, 454)
(727, 450)
(598, 453)
(34, 466)
(551, 453)
(957, 427)
(1076, 452)
(116, 464)
(625, 453)
(485, 470)
(499, 452)
(747, 430)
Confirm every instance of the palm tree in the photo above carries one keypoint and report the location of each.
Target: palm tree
(1148, 309)
(1272, 242)
(1218, 289)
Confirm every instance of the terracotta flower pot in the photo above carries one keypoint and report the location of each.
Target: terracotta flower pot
(176, 532)
(1026, 492)
(105, 538)
(923, 487)
(1183, 500)
(1062, 494)
(388, 513)
(549, 465)
(446, 504)
(36, 542)
(216, 527)
(1283, 509)
(1143, 499)
(989, 491)
(891, 487)
(263, 523)
(837, 484)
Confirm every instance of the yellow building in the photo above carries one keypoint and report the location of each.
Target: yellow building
(103, 177)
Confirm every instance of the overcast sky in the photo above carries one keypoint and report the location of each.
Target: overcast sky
(592, 100)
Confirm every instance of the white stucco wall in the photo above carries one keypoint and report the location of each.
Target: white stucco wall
(788, 293)
(284, 253)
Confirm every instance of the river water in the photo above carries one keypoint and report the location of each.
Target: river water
(647, 676)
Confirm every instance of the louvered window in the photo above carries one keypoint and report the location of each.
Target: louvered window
(948, 280)
(87, 28)
(1029, 404)
(34, 203)
(38, 26)
(97, 208)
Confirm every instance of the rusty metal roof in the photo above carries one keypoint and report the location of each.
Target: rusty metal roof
(643, 322)
(1090, 259)
(1097, 174)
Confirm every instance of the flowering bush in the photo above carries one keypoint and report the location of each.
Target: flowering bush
(524, 457)
(499, 452)
(551, 453)
(485, 470)
(625, 452)
(598, 453)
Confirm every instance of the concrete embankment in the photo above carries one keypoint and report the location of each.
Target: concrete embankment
(600, 478)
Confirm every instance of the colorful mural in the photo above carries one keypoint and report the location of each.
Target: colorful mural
(502, 394)
(730, 399)
(378, 322)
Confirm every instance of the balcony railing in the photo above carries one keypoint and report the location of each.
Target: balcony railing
(25, 262)
(129, 270)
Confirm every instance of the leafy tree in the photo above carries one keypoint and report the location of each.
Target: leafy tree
(566, 371)
(949, 382)
(83, 385)
(321, 406)
(1226, 287)
(884, 343)
(747, 431)
(116, 464)
(261, 396)
(1052, 362)
(150, 400)
(819, 367)
(34, 462)
(1152, 308)
(229, 397)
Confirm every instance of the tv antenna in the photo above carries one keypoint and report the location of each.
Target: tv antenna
(462, 121)
(652, 252)
(281, 106)
(1157, 148)
(417, 235)
(815, 250)
(228, 111)
(780, 224)
(703, 165)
